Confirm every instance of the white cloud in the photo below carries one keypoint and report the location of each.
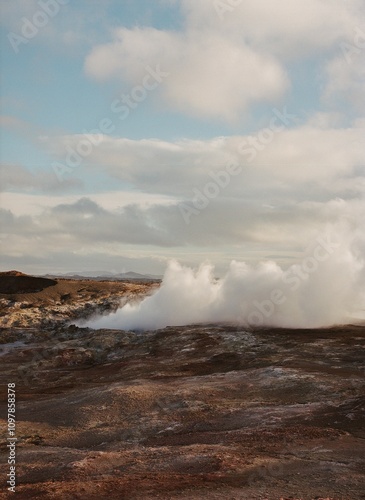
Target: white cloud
(219, 67)
(311, 154)
(20, 203)
(294, 179)
(290, 189)
(346, 80)
(247, 231)
(316, 155)
(218, 78)
(283, 27)
(18, 178)
(209, 74)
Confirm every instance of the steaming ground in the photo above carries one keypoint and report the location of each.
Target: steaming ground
(324, 289)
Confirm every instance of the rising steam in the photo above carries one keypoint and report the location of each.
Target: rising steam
(324, 289)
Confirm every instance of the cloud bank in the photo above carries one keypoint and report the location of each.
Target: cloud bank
(220, 64)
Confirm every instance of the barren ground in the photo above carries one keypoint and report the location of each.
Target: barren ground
(195, 412)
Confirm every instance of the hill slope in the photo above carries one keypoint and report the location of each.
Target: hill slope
(16, 282)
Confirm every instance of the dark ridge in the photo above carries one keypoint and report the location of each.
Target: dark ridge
(16, 282)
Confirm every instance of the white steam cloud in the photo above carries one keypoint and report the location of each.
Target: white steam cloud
(324, 289)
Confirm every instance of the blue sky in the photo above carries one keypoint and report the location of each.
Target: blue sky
(277, 89)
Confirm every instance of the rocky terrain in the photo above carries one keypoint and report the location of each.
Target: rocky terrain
(194, 412)
(27, 301)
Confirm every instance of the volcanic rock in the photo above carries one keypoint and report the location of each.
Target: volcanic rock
(192, 412)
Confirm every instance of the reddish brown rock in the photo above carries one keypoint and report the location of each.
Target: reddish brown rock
(196, 412)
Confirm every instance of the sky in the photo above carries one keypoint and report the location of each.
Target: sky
(134, 132)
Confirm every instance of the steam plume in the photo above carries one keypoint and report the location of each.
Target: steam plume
(324, 289)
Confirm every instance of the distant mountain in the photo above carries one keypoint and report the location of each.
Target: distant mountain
(89, 274)
(105, 275)
(133, 275)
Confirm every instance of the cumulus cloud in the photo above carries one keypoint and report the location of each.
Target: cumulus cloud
(244, 226)
(288, 178)
(19, 178)
(219, 66)
(206, 73)
(274, 159)
(294, 173)
(346, 78)
(282, 26)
